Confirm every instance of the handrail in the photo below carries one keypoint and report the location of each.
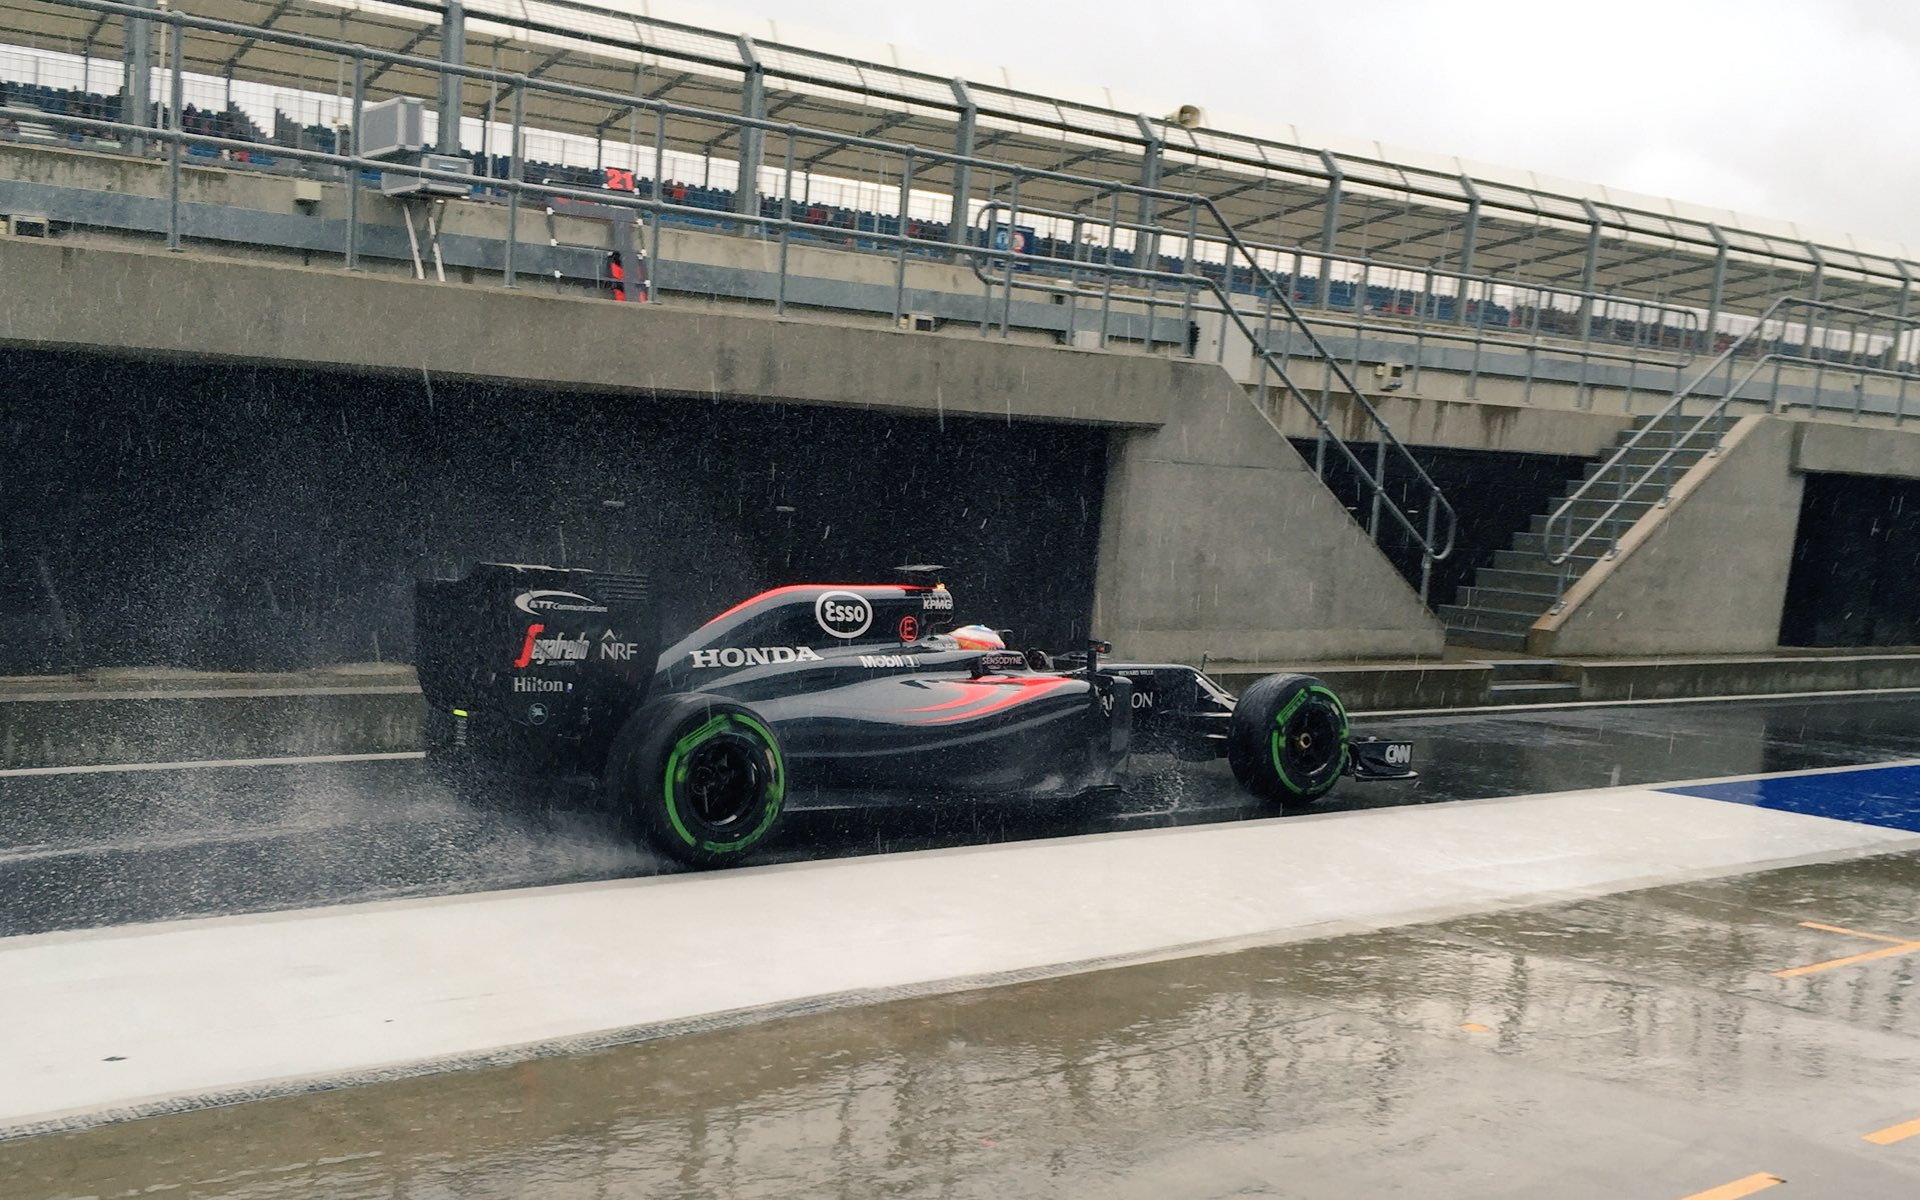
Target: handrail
(1432, 549)
(1526, 293)
(1560, 525)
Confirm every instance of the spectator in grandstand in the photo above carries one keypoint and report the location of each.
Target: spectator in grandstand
(9, 129)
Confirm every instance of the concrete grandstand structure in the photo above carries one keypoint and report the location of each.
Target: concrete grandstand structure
(1075, 260)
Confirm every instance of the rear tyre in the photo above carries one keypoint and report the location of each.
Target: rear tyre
(702, 779)
(1288, 739)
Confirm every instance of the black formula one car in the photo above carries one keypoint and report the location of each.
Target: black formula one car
(828, 692)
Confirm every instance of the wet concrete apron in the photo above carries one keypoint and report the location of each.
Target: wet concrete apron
(1706, 1039)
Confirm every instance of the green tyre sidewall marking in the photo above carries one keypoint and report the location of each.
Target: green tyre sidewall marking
(675, 774)
(1276, 742)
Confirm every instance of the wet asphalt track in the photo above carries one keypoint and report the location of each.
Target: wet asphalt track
(105, 849)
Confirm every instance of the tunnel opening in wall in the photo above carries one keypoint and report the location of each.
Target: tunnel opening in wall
(223, 517)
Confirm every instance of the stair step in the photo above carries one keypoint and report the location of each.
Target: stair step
(1586, 512)
(1480, 598)
(1682, 420)
(1486, 639)
(1532, 693)
(1537, 583)
(1533, 544)
(1525, 670)
(1495, 619)
(1529, 559)
(1664, 439)
(1634, 464)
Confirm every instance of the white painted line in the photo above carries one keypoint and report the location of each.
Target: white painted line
(109, 1023)
(370, 689)
(1872, 766)
(204, 764)
(1485, 709)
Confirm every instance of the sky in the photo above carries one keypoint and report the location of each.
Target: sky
(1800, 111)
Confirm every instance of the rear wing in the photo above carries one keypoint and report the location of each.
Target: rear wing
(551, 649)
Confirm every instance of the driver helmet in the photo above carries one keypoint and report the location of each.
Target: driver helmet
(977, 637)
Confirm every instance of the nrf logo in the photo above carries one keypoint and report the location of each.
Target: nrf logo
(612, 648)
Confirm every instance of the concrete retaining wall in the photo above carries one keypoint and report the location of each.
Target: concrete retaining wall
(1217, 540)
(1706, 575)
(1856, 449)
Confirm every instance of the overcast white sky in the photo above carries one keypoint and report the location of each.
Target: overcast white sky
(1804, 111)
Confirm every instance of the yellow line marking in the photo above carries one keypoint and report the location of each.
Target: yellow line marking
(1892, 1134)
(1894, 946)
(1739, 1188)
(1473, 1027)
(1872, 937)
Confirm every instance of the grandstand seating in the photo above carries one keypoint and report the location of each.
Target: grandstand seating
(843, 227)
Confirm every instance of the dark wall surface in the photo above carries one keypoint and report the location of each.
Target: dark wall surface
(1855, 560)
(1494, 493)
(246, 519)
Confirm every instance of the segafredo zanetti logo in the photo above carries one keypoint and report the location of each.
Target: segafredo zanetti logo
(843, 614)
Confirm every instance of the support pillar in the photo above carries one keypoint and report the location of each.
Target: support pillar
(1590, 270)
(1146, 248)
(753, 139)
(1717, 290)
(965, 127)
(1330, 226)
(1469, 243)
(136, 76)
(453, 51)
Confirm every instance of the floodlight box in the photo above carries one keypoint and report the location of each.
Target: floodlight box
(393, 127)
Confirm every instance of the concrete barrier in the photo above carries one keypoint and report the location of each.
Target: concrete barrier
(1668, 678)
(1364, 687)
(58, 723)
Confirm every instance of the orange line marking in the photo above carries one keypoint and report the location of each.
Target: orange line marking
(1872, 937)
(1892, 1134)
(1739, 1188)
(1475, 1027)
(1894, 946)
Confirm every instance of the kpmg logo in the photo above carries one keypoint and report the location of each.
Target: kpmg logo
(540, 604)
(843, 614)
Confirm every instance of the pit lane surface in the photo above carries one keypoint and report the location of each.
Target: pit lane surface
(107, 848)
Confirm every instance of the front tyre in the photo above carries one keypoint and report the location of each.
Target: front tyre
(701, 778)
(1288, 739)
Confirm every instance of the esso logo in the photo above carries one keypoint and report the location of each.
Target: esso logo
(843, 614)
(909, 629)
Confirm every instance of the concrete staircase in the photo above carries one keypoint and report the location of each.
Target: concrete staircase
(1506, 598)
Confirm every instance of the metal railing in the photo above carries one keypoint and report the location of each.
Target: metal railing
(1434, 540)
(1540, 320)
(1548, 322)
(1873, 346)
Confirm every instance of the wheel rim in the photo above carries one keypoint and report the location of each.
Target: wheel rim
(725, 783)
(1309, 744)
